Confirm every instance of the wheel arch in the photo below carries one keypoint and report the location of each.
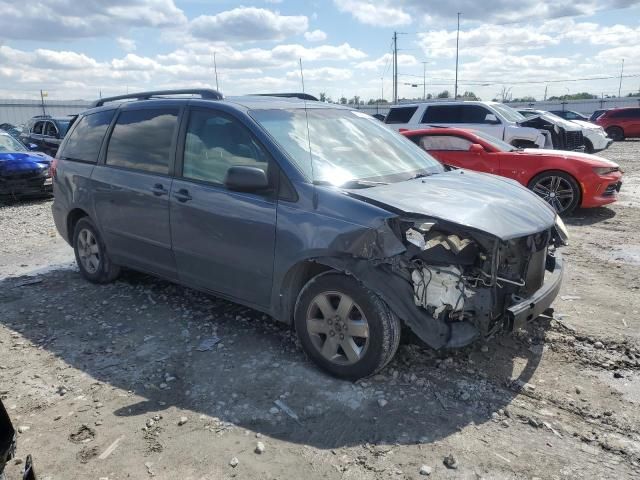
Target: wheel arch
(557, 170)
(72, 219)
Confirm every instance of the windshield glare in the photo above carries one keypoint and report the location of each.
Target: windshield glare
(8, 144)
(339, 146)
(496, 142)
(509, 113)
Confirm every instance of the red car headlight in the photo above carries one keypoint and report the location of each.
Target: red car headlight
(605, 170)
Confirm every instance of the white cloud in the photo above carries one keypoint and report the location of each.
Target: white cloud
(55, 20)
(325, 74)
(404, 60)
(380, 13)
(247, 24)
(126, 44)
(315, 36)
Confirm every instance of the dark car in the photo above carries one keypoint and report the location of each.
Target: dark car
(46, 132)
(8, 442)
(22, 173)
(594, 116)
(569, 115)
(621, 123)
(315, 214)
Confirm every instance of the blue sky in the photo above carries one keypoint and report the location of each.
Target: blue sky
(78, 49)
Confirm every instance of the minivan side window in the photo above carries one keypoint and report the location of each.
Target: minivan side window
(143, 140)
(400, 115)
(84, 143)
(214, 142)
(37, 128)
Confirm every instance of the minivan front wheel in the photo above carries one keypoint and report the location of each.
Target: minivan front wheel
(91, 255)
(345, 328)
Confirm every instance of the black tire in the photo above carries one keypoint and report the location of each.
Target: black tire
(616, 134)
(105, 270)
(570, 181)
(588, 146)
(383, 326)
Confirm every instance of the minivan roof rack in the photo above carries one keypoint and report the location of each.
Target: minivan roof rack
(205, 93)
(301, 96)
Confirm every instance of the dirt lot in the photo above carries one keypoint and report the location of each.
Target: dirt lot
(109, 381)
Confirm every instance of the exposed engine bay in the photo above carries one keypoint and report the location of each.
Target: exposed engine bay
(461, 276)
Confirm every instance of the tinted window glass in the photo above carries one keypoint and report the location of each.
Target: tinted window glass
(627, 113)
(84, 142)
(442, 114)
(400, 115)
(473, 114)
(444, 142)
(50, 129)
(37, 128)
(214, 143)
(635, 113)
(143, 139)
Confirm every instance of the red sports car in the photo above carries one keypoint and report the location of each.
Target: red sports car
(565, 180)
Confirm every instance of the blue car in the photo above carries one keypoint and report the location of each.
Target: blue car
(23, 173)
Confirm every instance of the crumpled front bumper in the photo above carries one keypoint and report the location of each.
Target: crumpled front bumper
(528, 309)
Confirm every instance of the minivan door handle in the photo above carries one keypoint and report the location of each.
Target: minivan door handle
(158, 190)
(182, 195)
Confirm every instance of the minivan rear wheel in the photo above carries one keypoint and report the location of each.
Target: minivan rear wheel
(91, 255)
(344, 327)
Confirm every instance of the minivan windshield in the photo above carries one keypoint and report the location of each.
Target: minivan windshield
(343, 147)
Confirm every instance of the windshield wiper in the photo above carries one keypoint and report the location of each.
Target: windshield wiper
(421, 175)
(351, 183)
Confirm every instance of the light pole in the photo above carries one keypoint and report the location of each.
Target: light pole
(455, 90)
(424, 81)
(620, 84)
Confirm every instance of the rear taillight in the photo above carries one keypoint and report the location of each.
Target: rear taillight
(53, 167)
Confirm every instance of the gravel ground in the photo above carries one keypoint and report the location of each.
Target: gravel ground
(109, 381)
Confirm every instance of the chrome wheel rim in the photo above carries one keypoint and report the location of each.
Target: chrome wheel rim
(556, 191)
(338, 328)
(88, 251)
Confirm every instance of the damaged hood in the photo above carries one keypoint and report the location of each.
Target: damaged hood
(495, 205)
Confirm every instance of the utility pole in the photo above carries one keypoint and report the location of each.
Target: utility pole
(455, 90)
(395, 67)
(620, 84)
(545, 92)
(215, 69)
(424, 80)
(381, 88)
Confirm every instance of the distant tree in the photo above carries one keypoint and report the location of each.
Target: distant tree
(355, 100)
(429, 96)
(444, 94)
(632, 94)
(322, 96)
(525, 99)
(468, 95)
(576, 96)
(343, 100)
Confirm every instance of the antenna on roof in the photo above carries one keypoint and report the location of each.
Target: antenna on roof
(215, 69)
(301, 74)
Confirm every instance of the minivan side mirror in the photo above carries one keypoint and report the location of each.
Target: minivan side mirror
(476, 148)
(491, 118)
(246, 179)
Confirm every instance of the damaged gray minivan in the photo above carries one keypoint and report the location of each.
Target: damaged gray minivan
(316, 214)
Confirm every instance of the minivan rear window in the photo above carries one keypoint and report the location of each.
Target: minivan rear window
(143, 140)
(400, 115)
(83, 145)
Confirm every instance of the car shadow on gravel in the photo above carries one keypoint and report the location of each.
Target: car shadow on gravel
(589, 216)
(11, 201)
(142, 335)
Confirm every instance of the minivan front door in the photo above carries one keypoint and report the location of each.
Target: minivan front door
(131, 189)
(223, 240)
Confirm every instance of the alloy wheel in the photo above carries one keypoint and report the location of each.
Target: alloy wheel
(338, 328)
(88, 251)
(556, 191)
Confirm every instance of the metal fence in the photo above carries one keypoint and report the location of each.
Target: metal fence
(18, 112)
